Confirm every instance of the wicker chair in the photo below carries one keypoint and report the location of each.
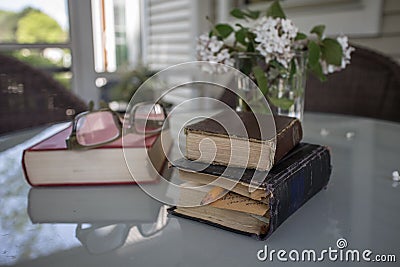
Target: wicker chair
(30, 97)
(368, 87)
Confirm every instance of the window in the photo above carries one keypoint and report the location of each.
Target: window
(95, 40)
(90, 39)
(37, 32)
(116, 34)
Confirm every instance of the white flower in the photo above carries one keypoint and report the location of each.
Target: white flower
(346, 56)
(276, 38)
(289, 28)
(211, 49)
(214, 44)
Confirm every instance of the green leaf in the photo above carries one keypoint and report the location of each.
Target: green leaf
(261, 79)
(275, 10)
(240, 14)
(293, 70)
(332, 51)
(300, 36)
(282, 103)
(91, 105)
(237, 13)
(253, 14)
(240, 36)
(250, 47)
(223, 30)
(317, 71)
(246, 69)
(251, 35)
(318, 30)
(293, 67)
(239, 25)
(314, 53)
(278, 66)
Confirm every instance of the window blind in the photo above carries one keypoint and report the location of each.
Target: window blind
(169, 35)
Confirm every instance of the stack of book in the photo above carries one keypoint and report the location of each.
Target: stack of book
(223, 193)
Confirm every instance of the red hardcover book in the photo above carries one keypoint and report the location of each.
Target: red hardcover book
(50, 163)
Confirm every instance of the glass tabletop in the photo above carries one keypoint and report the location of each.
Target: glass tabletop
(121, 225)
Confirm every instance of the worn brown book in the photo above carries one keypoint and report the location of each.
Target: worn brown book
(216, 204)
(302, 173)
(235, 139)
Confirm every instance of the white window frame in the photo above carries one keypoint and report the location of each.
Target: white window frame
(81, 44)
(82, 47)
(81, 32)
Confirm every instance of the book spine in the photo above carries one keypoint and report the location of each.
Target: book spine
(287, 139)
(298, 187)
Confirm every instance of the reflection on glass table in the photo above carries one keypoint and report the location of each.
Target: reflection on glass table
(104, 216)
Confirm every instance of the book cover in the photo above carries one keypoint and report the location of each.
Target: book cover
(244, 135)
(50, 163)
(289, 184)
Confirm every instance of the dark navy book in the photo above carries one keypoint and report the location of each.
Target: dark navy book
(296, 178)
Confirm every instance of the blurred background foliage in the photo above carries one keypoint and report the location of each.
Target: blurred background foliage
(32, 26)
(129, 82)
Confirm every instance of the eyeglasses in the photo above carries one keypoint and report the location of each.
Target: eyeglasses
(95, 128)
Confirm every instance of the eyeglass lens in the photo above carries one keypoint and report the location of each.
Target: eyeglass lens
(96, 128)
(149, 118)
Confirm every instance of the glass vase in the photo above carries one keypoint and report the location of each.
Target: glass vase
(283, 87)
